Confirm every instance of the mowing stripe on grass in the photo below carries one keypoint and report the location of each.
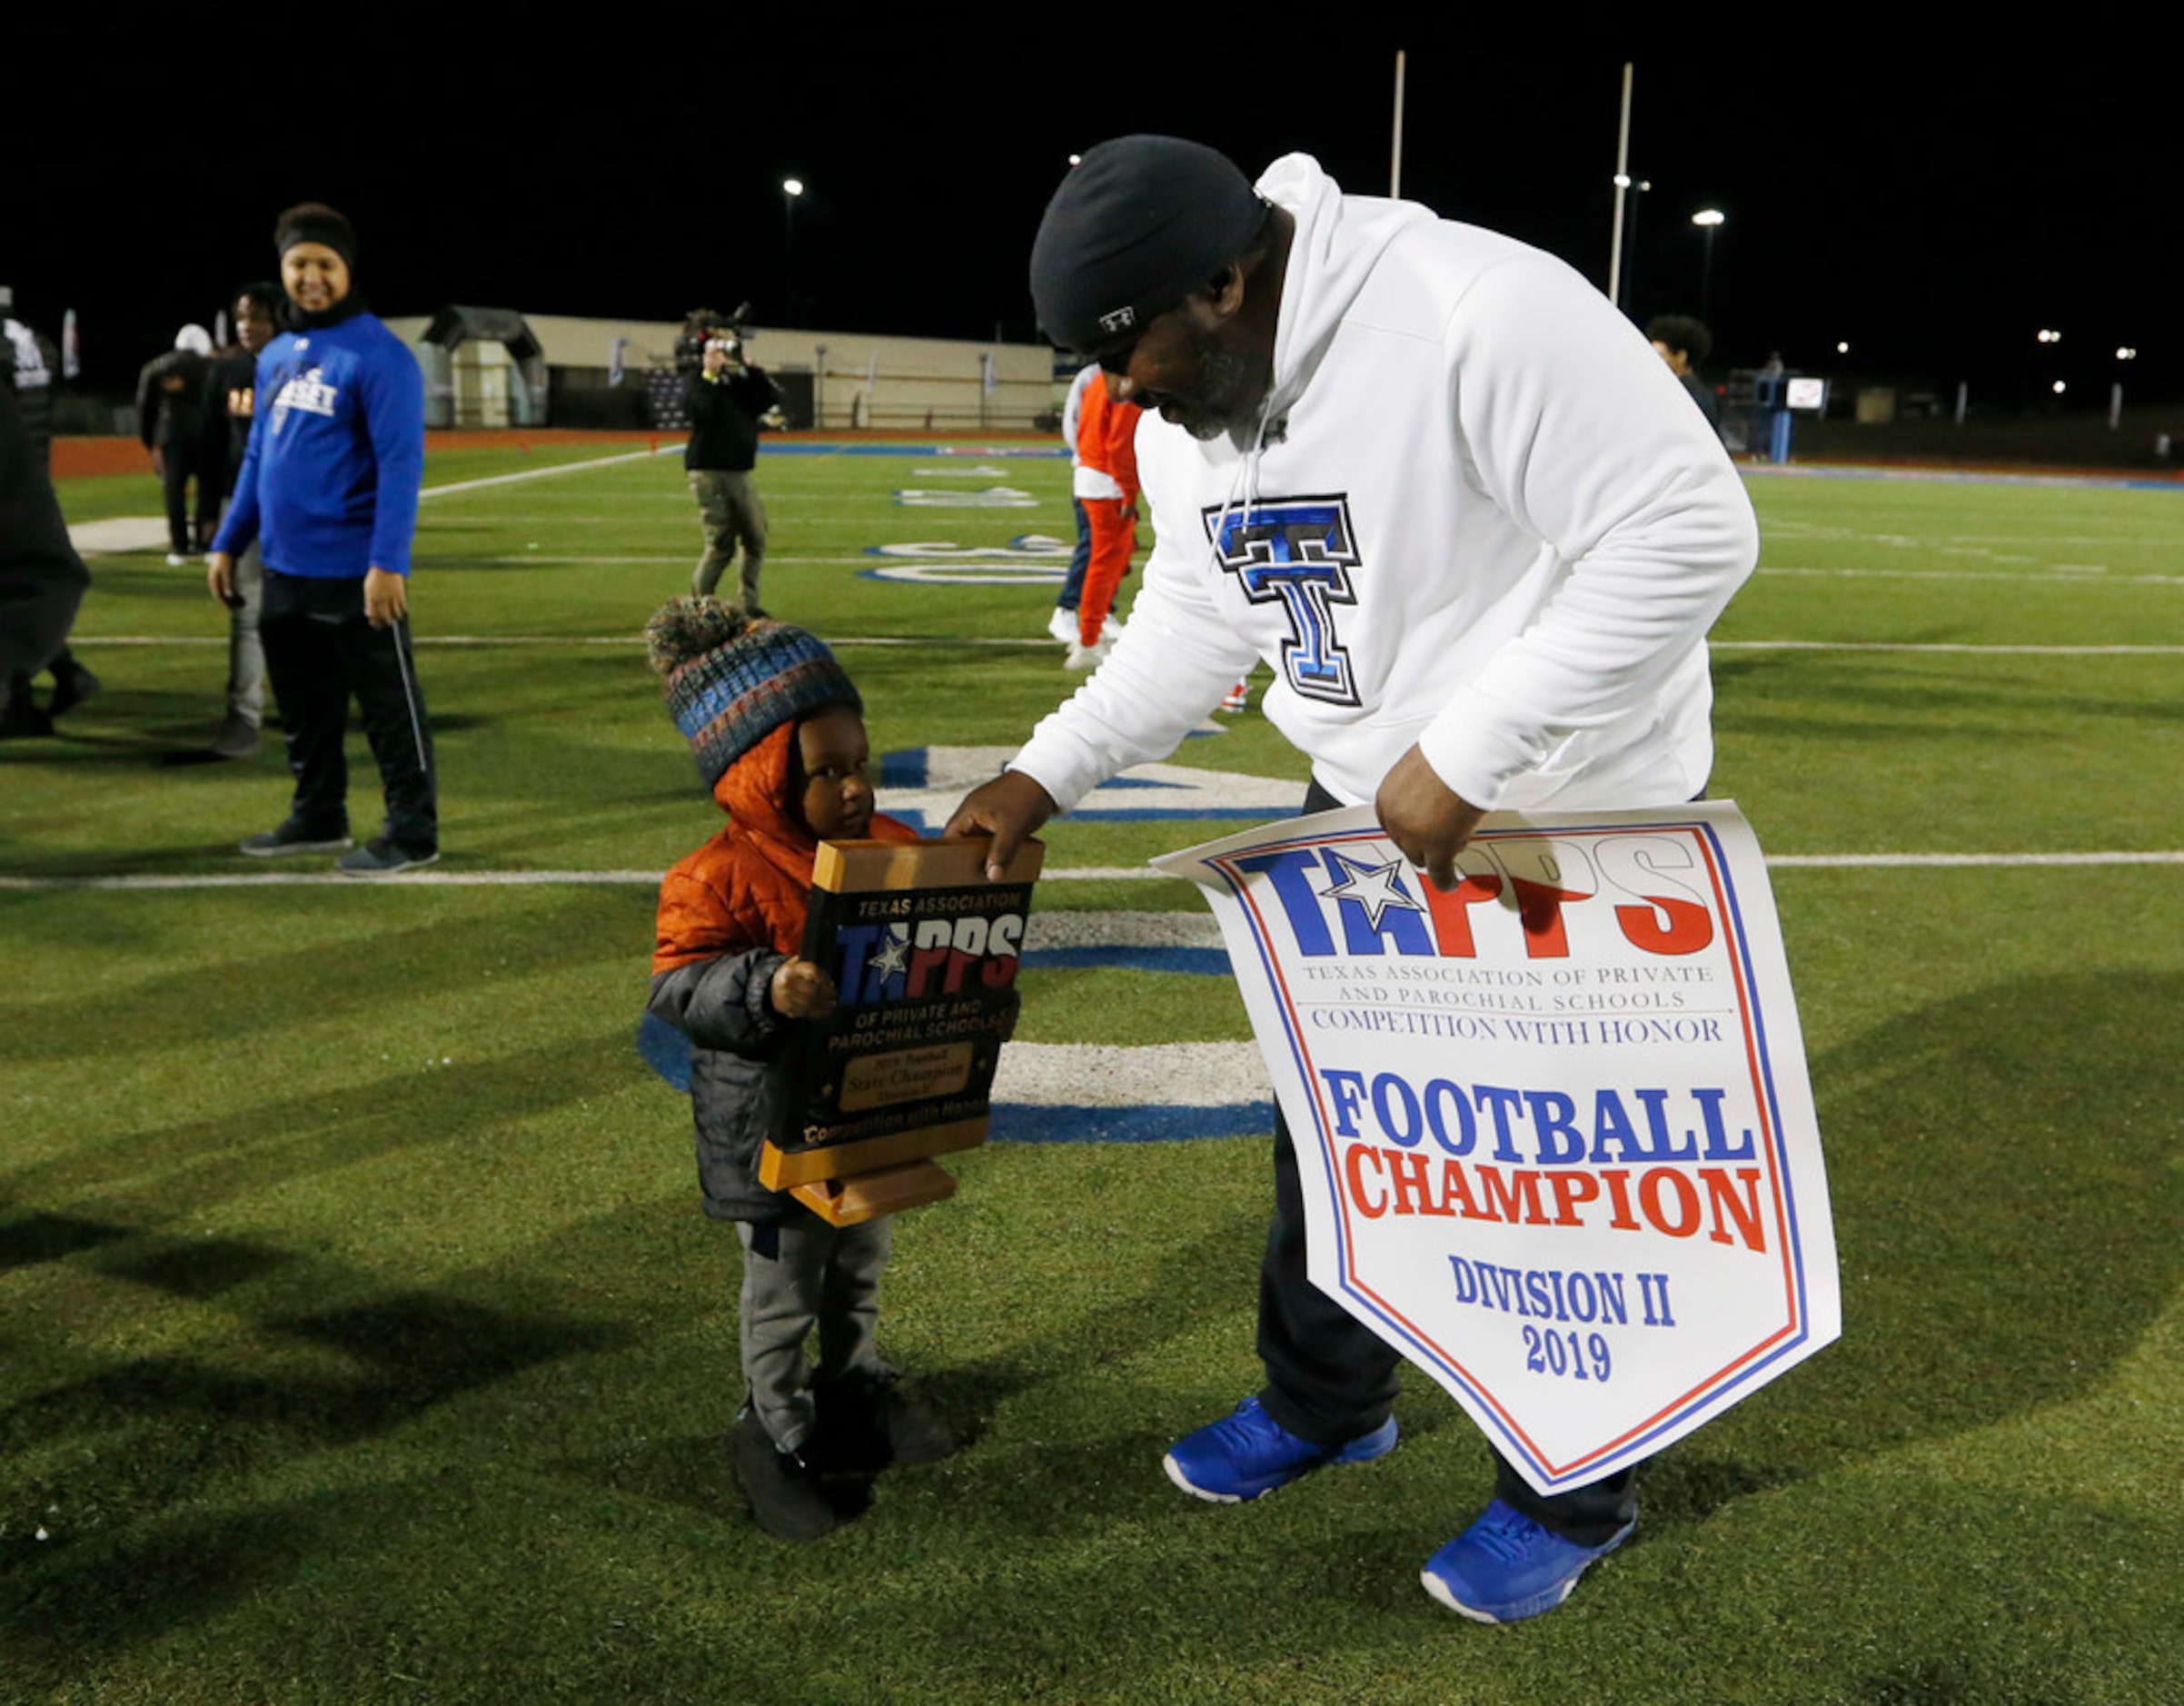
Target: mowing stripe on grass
(2077, 578)
(1081, 873)
(1942, 646)
(629, 641)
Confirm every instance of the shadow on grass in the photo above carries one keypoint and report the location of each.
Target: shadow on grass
(82, 1601)
(139, 1437)
(2005, 1201)
(37, 1238)
(339, 961)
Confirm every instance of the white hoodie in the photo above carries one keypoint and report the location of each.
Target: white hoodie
(1480, 515)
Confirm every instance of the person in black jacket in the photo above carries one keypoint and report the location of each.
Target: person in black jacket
(230, 401)
(169, 393)
(726, 399)
(42, 579)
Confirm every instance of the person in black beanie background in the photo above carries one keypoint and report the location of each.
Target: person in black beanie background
(328, 488)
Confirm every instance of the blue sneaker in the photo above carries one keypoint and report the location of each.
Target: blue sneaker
(1505, 1567)
(1248, 1452)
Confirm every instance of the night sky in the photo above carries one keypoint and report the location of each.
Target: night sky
(1933, 208)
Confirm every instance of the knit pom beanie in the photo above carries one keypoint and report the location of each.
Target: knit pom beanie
(732, 680)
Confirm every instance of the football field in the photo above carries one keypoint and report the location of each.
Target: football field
(362, 1340)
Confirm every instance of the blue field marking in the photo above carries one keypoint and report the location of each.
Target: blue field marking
(1024, 1122)
(1190, 962)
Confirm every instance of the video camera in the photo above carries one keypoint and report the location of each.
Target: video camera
(703, 327)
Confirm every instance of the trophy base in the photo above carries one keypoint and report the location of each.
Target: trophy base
(785, 1170)
(867, 1195)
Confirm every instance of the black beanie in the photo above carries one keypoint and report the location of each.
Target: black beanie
(314, 222)
(1139, 223)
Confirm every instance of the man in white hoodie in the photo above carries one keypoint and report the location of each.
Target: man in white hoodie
(1436, 482)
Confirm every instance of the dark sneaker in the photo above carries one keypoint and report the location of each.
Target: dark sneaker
(785, 1497)
(23, 719)
(1505, 1567)
(381, 858)
(865, 1423)
(291, 837)
(71, 687)
(1248, 1452)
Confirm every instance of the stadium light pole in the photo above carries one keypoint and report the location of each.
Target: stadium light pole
(1708, 220)
(1395, 145)
(1622, 185)
(792, 188)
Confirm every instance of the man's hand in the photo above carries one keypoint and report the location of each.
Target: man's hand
(386, 598)
(1427, 820)
(1010, 808)
(800, 990)
(220, 576)
(159, 462)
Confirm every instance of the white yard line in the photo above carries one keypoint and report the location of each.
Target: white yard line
(1083, 873)
(1942, 646)
(543, 474)
(123, 533)
(2076, 577)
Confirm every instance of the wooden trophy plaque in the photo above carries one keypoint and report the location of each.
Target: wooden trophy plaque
(923, 950)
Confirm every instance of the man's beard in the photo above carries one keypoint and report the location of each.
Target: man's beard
(1224, 380)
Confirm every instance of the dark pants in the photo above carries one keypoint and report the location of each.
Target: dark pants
(181, 464)
(319, 652)
(1330, 1378)
(1081, 560)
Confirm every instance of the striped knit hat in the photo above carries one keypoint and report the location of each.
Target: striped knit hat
(732, 680)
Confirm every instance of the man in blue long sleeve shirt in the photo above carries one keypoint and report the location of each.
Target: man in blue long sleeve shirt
(329, 490)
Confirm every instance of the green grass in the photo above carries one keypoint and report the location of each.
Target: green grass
(362, 1340)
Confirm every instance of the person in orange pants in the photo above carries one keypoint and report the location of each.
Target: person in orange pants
(1106, 484)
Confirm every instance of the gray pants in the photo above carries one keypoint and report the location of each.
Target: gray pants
(818, 1273)
(728, 501)
(246, 650)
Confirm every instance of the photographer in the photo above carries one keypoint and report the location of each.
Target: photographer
(726, 399)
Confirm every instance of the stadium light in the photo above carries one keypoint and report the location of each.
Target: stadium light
(2050, 337)
(1708, 220)
(1843, 349)
(2126, 354)
(2060, 388)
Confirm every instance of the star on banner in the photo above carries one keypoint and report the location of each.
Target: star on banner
(1376, 887)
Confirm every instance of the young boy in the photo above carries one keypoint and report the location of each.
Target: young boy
(779, 736)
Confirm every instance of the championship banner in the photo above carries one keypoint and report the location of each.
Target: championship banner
(923, 950)
(1554, 1129)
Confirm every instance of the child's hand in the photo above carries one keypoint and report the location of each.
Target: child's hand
(800, 990)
